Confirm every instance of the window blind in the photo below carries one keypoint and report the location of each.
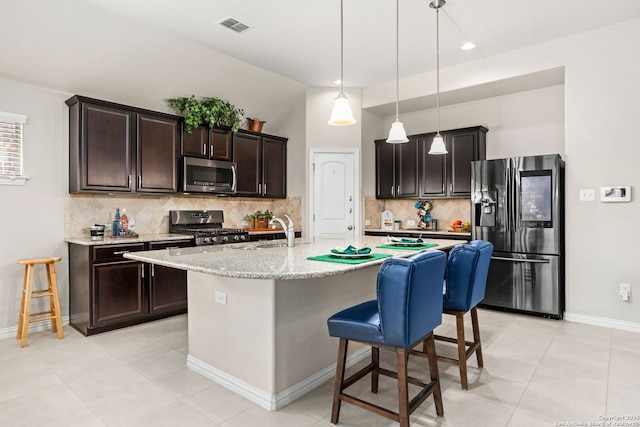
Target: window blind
(11, 144)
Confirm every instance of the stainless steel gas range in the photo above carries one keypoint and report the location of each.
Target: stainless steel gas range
(206, 227)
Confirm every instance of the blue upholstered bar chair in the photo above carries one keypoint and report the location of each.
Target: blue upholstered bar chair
(407, 309)
(465, 284)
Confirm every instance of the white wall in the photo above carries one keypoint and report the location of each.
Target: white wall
(33, 215)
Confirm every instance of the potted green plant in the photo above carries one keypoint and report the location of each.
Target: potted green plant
(209, 111)
(262, 218)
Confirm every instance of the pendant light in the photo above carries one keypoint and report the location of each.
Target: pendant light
(341, 114)
(397, 134)
(437, 146)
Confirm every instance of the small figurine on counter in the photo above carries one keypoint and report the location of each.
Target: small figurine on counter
(424, 213)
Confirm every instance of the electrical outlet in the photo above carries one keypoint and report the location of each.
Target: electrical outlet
(367, 222)
(587, 195)
(625, 291)
(221, 298)
(411, 223)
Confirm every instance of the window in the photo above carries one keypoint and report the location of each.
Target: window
(11, 148)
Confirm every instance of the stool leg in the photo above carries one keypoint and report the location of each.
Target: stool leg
(430, 345)
(375, 374)
(337, 386)
(23, 302)
(476, 336)
(402, 356)
(25, 313)
(462, 350)
(56, 325)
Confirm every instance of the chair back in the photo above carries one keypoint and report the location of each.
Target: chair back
(466, 275)
(410, 296)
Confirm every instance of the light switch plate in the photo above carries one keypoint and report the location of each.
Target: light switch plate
(587, 195)
(618, 193)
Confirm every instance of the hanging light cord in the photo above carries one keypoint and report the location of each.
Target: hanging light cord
(438, 66)
(397, 58)
(341, 47)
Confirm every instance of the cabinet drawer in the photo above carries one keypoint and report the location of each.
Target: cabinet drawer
(172, 244)
(115, 252)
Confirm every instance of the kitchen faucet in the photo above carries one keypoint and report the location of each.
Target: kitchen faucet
(289, 232)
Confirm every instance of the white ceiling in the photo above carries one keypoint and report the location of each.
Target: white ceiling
(300, 39)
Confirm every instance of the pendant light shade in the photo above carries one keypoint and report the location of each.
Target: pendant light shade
(397, 134)
(437, 146)
(341, 114)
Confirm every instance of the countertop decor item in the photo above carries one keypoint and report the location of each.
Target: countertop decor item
(424, 213)
(209, 111)
(262, 218)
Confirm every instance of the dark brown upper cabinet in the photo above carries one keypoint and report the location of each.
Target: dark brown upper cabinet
(397, 169)
(208, 143)
(261, 165)
(435, 176)
(116, 148)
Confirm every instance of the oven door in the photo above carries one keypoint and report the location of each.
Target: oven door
(207, 176)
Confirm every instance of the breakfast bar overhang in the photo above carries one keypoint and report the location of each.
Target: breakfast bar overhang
(257, 313)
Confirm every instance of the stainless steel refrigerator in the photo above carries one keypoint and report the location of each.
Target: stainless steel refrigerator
(518, 205)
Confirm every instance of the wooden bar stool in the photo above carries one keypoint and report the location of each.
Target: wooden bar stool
(28, 293)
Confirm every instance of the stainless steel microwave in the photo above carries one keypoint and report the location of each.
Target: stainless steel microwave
(207, 176)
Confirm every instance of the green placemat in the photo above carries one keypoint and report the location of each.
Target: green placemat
(329, 258)
(408, 248)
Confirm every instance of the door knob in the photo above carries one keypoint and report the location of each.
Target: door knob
(350, 227)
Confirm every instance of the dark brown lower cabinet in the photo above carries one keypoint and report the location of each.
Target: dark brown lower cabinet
(108, 291)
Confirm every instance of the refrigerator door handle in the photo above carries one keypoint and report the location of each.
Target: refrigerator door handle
(531, 261)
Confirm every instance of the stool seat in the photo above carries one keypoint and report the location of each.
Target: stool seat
(34, 261)
(28, 293)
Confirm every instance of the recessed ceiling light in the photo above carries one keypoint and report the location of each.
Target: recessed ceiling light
(468, 46)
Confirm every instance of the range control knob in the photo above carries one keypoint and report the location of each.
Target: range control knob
(225, 238)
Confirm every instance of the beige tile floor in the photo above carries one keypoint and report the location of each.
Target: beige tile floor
(537, 372)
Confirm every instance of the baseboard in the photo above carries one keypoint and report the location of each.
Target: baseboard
(12, 331)
(266, 400)
(602, 321)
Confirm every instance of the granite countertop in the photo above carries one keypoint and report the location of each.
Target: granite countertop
(402, 231)
(272, 261)
(108, 240)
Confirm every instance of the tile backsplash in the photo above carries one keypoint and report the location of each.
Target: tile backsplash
(151, 213)
(444, 210)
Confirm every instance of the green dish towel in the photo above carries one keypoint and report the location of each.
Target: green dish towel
(329, 258)
(408, 248)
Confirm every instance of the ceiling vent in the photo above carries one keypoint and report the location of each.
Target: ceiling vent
(234, 25)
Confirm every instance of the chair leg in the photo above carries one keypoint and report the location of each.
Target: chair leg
(54, 301)
(462, 350)
(476, 336)
(337, 387)
(402, 356)
(22, 303)
(375, 373)
(430, 348)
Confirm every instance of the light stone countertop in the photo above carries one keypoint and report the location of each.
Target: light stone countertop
(271, 260)
(108, 240)
(439, 232)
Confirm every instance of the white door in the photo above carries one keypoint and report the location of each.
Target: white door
(335, 190)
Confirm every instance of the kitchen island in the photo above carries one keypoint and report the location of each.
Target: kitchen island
(257, 312)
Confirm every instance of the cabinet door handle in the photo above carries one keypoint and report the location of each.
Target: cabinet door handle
(265, 189)
(142, 269)
(393, 190)
(139, 181)
(129, 182)
(210, 150)
(259, 188)
(398, 190)
(153, 271)
(121, 252)
(204, 149)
